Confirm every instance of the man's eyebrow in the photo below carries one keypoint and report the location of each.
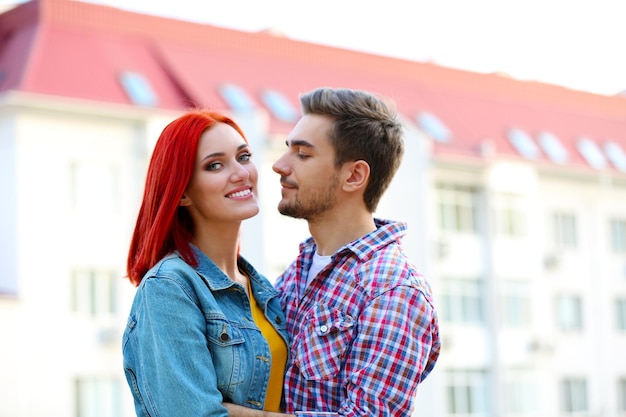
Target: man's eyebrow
(299, 142)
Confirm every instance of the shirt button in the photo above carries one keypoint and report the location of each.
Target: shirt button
(323, 328)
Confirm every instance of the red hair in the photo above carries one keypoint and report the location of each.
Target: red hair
(162, 226)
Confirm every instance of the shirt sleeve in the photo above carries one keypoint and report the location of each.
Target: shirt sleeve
(396, 346)
(174, 373)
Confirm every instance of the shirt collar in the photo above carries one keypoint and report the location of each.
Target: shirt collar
(386, 232)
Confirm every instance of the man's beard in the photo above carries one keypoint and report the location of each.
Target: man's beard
(314, 206)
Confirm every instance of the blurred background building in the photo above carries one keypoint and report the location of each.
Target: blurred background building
(514, 192)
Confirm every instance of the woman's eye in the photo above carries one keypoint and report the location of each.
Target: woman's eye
(214, 166)
(303, 156)
(245, 157)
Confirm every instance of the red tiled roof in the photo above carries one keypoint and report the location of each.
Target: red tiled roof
(73, 49)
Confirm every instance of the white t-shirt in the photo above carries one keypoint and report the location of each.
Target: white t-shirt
(319, 262)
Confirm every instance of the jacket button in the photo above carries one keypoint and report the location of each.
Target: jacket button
(278, 320)
(224, 337)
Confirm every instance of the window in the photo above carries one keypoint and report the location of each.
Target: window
(520, 392)
(434, 127)
(514, 304)
(510, 215)
(564, 230)
(552, 146)
(616, 155)
(574, 395)
(457, 208)
(523, 143)
(95, 187)
(462, 301)
(9, 227)
(280, 107)
(620, 314)
(618, 235)
(466, 392)
(95, 292)
(237, 98)
(98, 397)
(569, 313)
(621, 395)
(591, 153)
(138, 89)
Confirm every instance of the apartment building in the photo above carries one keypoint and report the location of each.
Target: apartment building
(514, 193)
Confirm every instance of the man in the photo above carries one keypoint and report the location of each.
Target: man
(363, 328)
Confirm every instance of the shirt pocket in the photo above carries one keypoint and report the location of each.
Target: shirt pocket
(226, 344)
(323, 342)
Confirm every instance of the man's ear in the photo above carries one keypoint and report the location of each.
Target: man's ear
(184, 201)
(357, 174)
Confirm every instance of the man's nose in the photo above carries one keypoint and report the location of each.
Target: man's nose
(280, 166)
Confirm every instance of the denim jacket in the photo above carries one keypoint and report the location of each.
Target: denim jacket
(191, 343)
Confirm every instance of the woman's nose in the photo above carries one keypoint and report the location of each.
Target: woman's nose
(240, 172)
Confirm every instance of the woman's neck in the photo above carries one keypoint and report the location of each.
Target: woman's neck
(221, 245)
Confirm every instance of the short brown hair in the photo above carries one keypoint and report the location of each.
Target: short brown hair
(366, 127)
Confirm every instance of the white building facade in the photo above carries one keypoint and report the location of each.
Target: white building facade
(527, 259)
(528, 266)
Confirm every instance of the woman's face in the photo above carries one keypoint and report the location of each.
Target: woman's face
(223, 185)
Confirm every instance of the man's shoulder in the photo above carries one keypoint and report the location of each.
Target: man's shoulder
(389, 268)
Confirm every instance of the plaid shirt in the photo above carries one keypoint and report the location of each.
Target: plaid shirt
(364, 333)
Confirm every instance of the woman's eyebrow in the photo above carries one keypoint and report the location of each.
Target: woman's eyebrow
(214, 154)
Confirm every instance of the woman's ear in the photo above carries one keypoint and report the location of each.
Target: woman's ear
(184, 201)
(357, 175)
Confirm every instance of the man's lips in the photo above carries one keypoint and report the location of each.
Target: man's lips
(287, 184)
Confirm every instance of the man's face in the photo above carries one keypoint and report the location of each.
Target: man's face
(307, 170)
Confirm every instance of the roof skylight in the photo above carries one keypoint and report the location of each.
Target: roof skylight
(523, 143)
(592, 153)
(552, 146)
(434, 127)
(236, 97)
(280, 107)
(616, 155)
(138, 89)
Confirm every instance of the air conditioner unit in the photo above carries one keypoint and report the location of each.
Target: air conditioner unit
(540, 345)
(108, 334)
(552, 260)
(443, 249)
(446, 342)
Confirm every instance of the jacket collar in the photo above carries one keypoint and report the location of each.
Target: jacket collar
(217, 280)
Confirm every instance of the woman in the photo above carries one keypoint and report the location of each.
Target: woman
(204, 327)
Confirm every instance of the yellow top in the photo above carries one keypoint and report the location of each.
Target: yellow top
(279, 356)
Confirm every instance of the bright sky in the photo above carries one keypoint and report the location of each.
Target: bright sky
(574, 43)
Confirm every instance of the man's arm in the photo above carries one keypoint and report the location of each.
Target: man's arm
(397, 346)
(241, 411)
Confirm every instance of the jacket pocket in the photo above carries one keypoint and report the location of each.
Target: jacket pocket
(226, 344)
(323, 342)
